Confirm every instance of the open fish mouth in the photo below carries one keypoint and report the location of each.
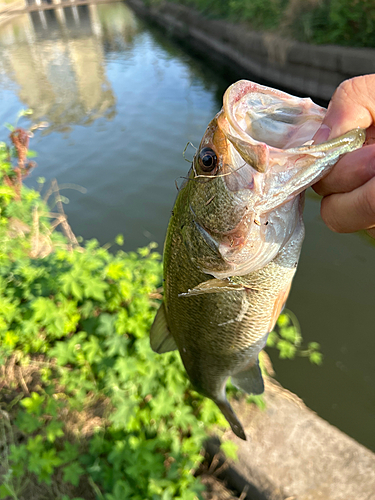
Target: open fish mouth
(264, 115)
(269, 158)
(272, 132)
(270, 128)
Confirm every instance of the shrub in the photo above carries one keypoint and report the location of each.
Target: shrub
(341, 22)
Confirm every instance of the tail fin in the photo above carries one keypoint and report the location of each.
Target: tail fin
(229, 414)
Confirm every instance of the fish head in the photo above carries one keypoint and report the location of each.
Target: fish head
(255, 159)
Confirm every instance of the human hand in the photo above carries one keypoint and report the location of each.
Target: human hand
(348, 191)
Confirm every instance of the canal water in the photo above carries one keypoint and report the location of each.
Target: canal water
(122, 101)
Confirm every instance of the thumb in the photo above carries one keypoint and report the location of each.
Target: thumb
(352, 105)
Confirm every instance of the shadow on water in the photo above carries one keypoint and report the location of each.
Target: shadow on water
(122, 101)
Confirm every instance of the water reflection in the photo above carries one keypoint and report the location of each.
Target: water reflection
(56, 58)
(140, 98)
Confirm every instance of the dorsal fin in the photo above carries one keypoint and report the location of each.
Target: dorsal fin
(161, 339)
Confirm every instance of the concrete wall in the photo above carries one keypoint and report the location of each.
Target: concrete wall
(293, 454)
(306, 69)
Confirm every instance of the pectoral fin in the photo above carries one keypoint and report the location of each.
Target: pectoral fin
(250, 380)
(279, 306)
(213, 286)
(161, 339)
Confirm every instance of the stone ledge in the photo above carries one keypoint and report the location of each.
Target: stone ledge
(291, 453)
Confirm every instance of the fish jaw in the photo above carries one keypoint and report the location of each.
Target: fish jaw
(262, 139)
(273, 131)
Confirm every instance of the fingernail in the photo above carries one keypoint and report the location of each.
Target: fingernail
(322, 134)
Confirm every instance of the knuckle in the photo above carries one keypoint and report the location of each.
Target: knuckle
(367, 201)
(351, 89)
(371, 161)
(328, 215)
(343, 90)
(319, 188)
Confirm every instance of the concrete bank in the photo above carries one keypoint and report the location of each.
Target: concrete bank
(306, 69)
(292, 454)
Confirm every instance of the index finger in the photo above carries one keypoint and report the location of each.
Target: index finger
(350, 172)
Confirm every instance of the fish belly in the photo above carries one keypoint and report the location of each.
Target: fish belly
(221, 334)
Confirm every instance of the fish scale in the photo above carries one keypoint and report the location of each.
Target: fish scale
(235, 235)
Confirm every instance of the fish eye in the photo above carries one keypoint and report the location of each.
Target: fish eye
(207, 159)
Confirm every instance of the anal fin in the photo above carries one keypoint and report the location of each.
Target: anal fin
(250, 380)
(161, 339)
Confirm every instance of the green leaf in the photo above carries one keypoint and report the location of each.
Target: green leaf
(27, 422)
(54, 430)
(25, 112)
(33, 404)
(291, 334)
(125, 409)
(106, 325)
(283, 320)
(5, 491)
(230, 449)
(72, 473)
(18, 453)
(316, 358)
(92, 350)
(76, 290)
(272, 339)
(69, 453)
(116, 346)
(119, 240)
(287, 350)
(314, 346)
(95, 289)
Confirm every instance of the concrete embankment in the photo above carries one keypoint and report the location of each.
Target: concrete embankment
(306, 69)
(293, 454)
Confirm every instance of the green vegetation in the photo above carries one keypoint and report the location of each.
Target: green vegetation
(340, 22)
(87, 410)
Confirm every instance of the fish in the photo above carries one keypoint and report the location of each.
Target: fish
(234, 238)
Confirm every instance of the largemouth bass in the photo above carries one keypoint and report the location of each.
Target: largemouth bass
(235, 236)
